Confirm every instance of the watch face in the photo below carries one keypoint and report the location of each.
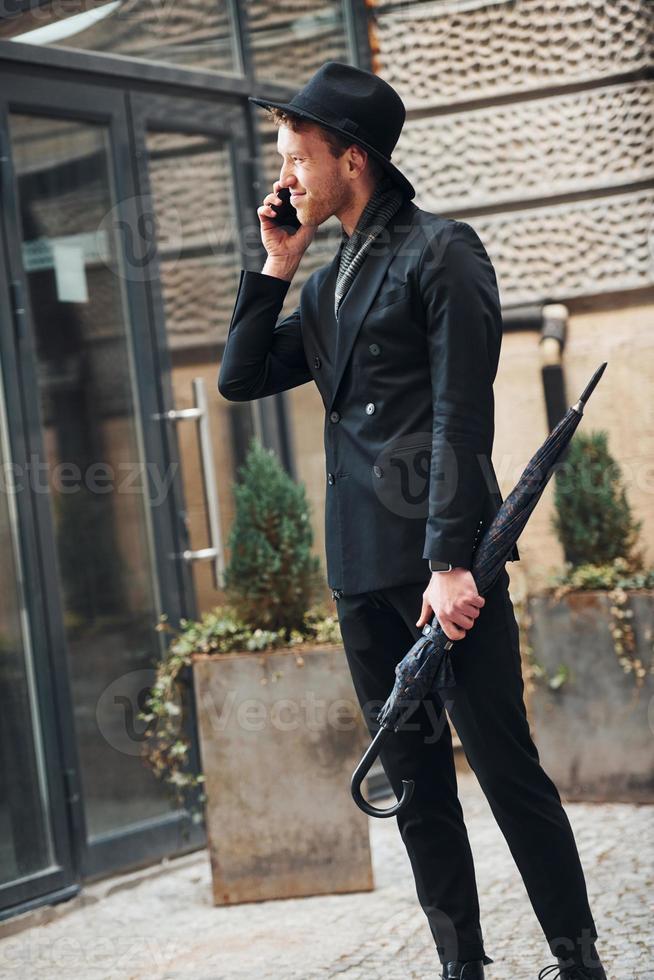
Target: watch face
(439, 566)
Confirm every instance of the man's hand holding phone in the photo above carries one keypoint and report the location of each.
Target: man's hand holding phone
(285, 249)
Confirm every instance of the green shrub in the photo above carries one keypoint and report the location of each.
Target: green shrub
(272, 576)
(593, 519)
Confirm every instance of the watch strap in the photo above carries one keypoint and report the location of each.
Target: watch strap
(439, 566)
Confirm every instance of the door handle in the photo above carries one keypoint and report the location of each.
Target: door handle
(200, 412)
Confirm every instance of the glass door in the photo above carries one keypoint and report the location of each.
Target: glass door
(35, 855)
(106, 492)
(196, 174)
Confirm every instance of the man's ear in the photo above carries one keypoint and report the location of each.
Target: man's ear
(357, 159)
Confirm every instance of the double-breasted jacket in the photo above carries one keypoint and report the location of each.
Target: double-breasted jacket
(405, 373)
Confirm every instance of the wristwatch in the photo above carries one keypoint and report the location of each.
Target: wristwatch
(439, 566)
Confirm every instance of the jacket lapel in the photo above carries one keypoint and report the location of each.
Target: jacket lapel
(363, 290)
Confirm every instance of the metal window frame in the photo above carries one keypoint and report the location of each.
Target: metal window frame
(49, 682)
(118, 850)
(131, 77)
(153, 76)
(115, 67)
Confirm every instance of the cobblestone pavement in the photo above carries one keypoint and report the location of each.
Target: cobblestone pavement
(164, 927)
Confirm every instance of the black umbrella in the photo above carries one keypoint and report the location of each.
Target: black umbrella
(427, 665)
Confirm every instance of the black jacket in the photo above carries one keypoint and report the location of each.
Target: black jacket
(406, 377)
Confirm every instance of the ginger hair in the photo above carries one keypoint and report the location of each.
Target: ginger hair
(337, 144)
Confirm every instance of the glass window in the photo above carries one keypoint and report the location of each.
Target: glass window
(200, 35)
(291, 39)
(199, 261)
(191, 177)
(25, 835)
(95, 467)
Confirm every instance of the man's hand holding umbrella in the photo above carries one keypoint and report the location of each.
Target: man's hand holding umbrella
(453, 598)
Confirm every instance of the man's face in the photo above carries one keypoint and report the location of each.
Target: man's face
(314, 176)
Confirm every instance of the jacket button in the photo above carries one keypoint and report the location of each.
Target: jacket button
(377, 470)
(370, 408)
(316, 361)
(334, 416)
(374, 349)
(330, 479)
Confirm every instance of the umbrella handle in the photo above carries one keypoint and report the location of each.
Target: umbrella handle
(362, 771)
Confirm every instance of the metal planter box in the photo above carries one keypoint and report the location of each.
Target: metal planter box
(594, 732)
(280, 735)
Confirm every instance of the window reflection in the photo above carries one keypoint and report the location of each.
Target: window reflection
(199, 35)
(25, 835)
(290, 39)
(191, 178)
(95, 473)
(199, 258)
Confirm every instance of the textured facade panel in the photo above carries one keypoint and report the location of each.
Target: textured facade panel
(299, 14)
(282, 59)
(290, 39)
(199, 294)
(191, 179)
(585, 248)
(593, 139)
(197, 234)
(444, 52)
(555, 251)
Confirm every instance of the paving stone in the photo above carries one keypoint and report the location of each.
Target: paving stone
(164, 926)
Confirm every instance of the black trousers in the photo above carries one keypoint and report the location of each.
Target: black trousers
(488, 712)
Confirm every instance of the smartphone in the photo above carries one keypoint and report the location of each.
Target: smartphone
(286, 214)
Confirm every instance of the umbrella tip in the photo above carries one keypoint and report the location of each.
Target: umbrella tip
(590, 387)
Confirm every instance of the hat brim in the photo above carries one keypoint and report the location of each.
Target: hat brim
(390, 168)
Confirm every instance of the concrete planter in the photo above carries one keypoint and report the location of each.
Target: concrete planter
(594, 732)
(280, 735)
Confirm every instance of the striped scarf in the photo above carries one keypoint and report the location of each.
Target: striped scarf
(386, 199)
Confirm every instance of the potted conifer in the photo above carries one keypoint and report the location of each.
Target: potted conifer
(589, 638)
(280, 728)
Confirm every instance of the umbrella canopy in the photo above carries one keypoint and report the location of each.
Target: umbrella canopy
(427, 665)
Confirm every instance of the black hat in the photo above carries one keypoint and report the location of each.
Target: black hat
(355, 103)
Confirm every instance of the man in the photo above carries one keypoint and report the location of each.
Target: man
(401, 333)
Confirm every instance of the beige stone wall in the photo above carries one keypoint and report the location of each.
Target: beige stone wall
(619, 332)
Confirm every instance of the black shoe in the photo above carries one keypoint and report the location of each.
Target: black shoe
(465, 969)
(572, 972)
